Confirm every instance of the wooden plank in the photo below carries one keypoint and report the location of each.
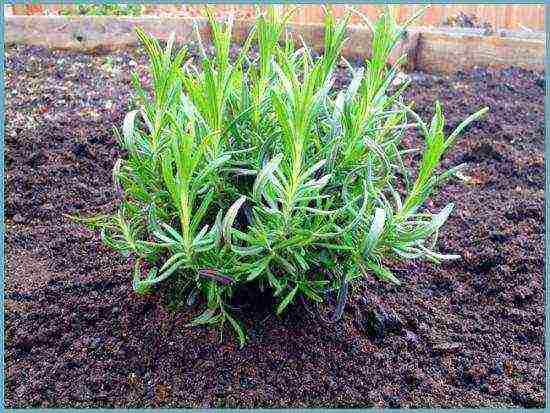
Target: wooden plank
(447, 51)
(430, 50)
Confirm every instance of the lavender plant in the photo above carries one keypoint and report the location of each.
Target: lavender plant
(254, 170)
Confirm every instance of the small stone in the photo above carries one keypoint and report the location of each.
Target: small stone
(391, 320)
(161, 392)
(150, 390)
(17, 296)
(332, 384)
(447, 348)
(412, 379)
(508, 367)
(81, 150)
(246, 383)
(474, 375)
(219, 391)
(400, 78)
(379, 321)
(522, 338)
(506, 87)
(253, 335)
(480, 74)
(95, 342)
(411, 338)
(498, 236)
(353, 348)
(132, 379)
(522, 294)
(72, 364)
(19, 219)
(488, 262)
(518, 315)
(393, 401)
(25, 343)
(374, 326)
(497, 370)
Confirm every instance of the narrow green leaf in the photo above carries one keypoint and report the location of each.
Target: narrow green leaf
(230, 218)
(383, 273)
(286, 301)
(238, 329)
(376, 228)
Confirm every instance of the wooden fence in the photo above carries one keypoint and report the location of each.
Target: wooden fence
(508, 16)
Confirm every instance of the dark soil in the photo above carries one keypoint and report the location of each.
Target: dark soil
(464, 334)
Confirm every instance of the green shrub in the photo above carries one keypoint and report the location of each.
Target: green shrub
(253, 170)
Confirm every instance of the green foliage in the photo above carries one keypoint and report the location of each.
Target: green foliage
(254, 170)
(106, 10)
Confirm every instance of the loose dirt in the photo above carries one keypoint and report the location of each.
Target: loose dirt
(468, 333)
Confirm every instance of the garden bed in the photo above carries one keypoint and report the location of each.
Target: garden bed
(433, 50)
(468, 333)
